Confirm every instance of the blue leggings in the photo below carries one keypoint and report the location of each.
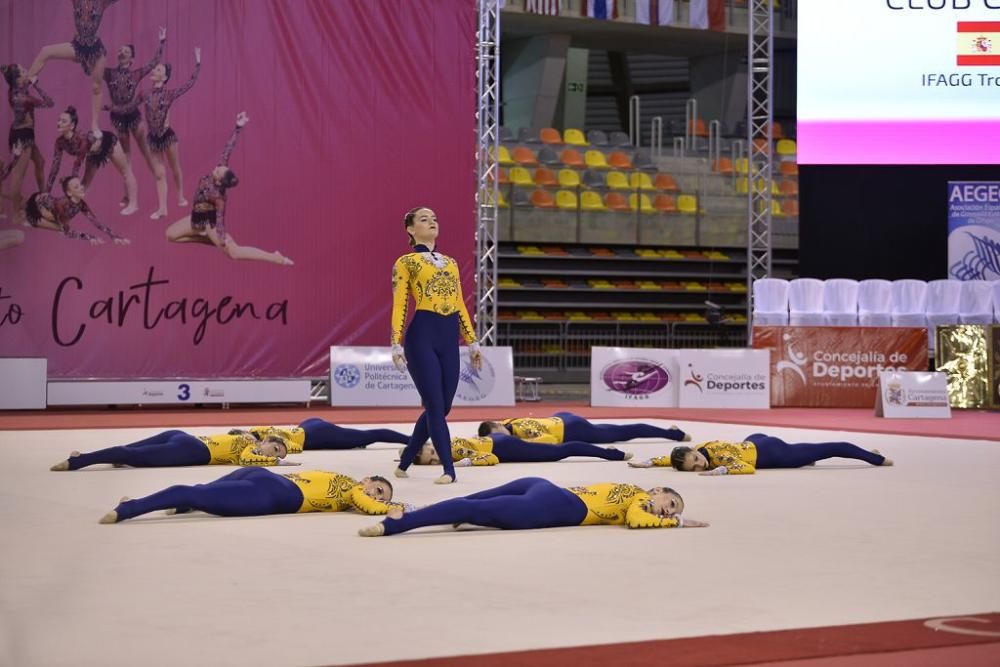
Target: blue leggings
(578, 428)
(513, 450)
(243, 492)
(431, 348)
(776, 453)
(525, 503)
(170, 448)
(321, 434)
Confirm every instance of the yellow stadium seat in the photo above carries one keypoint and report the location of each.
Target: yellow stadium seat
(595, 160)
(742, 165)
(521, 176)
(618, 181)
(566, 200)
(504, 157)
(786, 147)
(591, 201)
(687, 204)
(641, 202)
(741, 186)
(501, 202)
(569, 178)
(574, 137)
(640, 181)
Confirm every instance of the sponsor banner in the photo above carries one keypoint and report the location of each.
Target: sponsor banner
(621, 376)
(974, 230)
(365, 376)
(912, 394)
(837, 367)
(724, 378)
(139, 392)
(23, 385)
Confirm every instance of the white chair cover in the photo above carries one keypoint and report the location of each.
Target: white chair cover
(840, 302)
(942, 305)
(975, 305)
(805, 303)
(909, 303)
(875, 303)
(770, 302)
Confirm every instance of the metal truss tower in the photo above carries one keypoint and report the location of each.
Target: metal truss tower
(760, 62)
(487, 141)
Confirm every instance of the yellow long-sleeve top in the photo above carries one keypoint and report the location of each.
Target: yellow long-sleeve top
(617, 504)
(294, 437)
(236, 449)
(332, 492)
(549, 431)
(434, 288)
(478, 450)
(738, 458)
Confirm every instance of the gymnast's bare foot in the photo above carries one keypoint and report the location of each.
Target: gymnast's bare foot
(110, 517)
(885, 461)
(378, 530)
(687, 436)
(62, 465)
(158, 213)
(399, 472)
(628, 455)
(444, 479)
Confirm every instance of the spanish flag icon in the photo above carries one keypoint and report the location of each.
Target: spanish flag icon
(979, 43)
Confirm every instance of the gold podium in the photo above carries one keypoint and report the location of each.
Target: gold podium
(970, 355)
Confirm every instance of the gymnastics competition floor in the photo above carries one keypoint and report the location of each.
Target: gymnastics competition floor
(838, 564)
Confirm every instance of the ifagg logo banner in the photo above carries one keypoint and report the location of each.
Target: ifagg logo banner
(621, 376)
(836, 366)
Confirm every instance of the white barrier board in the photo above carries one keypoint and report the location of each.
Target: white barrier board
(365, 376)
(149, 392)
(725, 378)
(22, 383)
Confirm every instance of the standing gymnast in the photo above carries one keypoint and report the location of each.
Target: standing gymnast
(10, 237)
(96, 152)
(206, 224)
(533, 502)
(430, 350)
(497, 448)
(567, 426)
(176, 448)
(45, 211)
(758, 451)
(258, 492)
(22, 129)
(162, 139)
(122, 82)
(316, 433)
(86, 48)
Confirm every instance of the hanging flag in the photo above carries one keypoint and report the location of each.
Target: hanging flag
(599, 9)
(707, 14)
(978, 43)
(550, 7)
(655, 12)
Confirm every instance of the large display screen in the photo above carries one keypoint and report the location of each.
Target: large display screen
(899, 82)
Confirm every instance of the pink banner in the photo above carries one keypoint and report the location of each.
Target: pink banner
(359, 110)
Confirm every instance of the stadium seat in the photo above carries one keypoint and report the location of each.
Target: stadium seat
(503, 157)
(574, 137)
(777, 132)
(521, 198)
(875, 303)
(593, 179)
(687, 204)
(524, 156)
(501, 201)
(595, 160)
(548, 157)
(788, 187)
(770, 302)
(591, 201)
(642, 160)
(614, 201)
(786, 147)
(506, 135)
(528, 135)
(566, 200)
(520, 176)
(545, 177)
(974, 305)
(542, 199)
(742, 165)
(503, 177)
(597, 138)
(943, 298)
(666, 183)
(760, 144)
(618, 181)
(840, 302)
(572, 158)
(619, 139)
(805, 303)
(790, 208)
(550, 135)
(665, 204)
(909, 303)
(619, 160)
(641, 202)
(788, 168)
(640, 181)
(723, 166)
(569, 178)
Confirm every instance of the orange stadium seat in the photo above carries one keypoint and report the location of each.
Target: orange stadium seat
(788, 169)
(524, 156)
(550, 135)
(545, 177)
(572, 158)
(619, 160)
(723, 166)
(789, 187)
(542, 199)
(665, 204)
(790, 207)
(615, 201)
(666, 183)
